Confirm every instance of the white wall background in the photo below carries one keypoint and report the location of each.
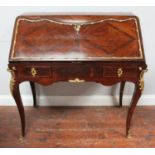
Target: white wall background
(85, 93)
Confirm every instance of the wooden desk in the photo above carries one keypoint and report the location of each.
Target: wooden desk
(52, 48)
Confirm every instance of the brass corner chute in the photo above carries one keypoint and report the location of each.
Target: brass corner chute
(141, 78)
(12, 81)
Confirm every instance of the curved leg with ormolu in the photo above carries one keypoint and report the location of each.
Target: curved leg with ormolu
(122, 85)
(135, 98)
(32, 85)
(17, 98)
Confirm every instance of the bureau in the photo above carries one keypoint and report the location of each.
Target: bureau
(106, 49)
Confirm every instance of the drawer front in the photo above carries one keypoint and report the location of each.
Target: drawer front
(83, 71)
(37, 71)
(119, 72)
(92, 71)
(78, 71)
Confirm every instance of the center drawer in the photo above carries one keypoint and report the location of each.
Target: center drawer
(69, 71)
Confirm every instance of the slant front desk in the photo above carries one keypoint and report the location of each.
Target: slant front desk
(79, 48)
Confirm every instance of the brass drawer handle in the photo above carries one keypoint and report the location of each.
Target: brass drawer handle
(33, 72)
(119, 72)
(76, 80)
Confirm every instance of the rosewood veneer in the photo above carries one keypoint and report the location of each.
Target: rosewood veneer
(106, 49)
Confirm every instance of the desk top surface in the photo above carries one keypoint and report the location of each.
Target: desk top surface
(76, 37)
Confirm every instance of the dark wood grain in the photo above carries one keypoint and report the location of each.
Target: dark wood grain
(42, 38)
(46, 52)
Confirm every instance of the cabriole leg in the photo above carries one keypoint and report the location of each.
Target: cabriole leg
(135, 98)
(32, 85)
(139, 87)
(14, 88)
(17, 98)
(122, 85)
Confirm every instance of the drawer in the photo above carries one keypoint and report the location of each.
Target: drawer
(77, 71)
(119, 72)
(37, 71)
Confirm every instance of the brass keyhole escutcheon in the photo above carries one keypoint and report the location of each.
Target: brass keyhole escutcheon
(33, 72)
(119, 72)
